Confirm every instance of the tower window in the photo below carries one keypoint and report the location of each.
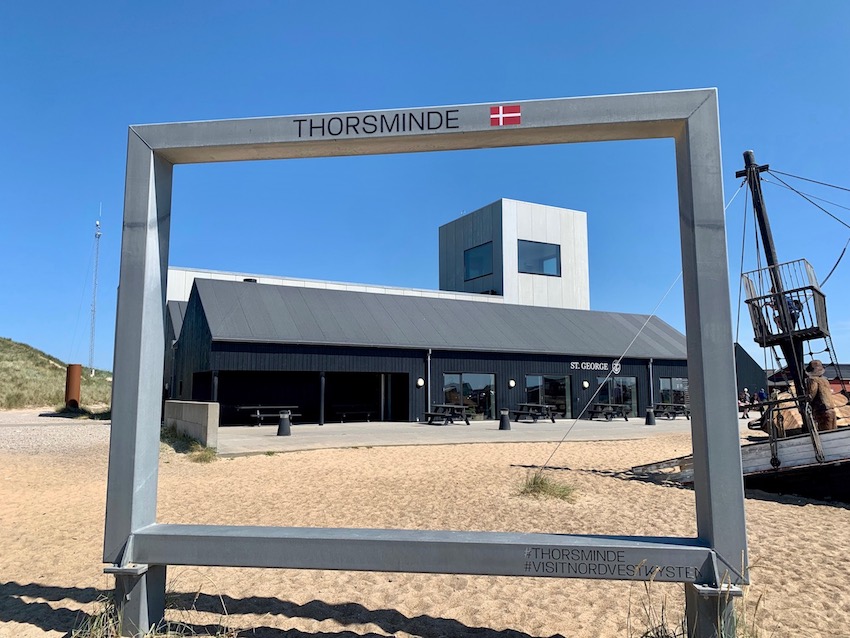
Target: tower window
(478, 261)
(537, 258)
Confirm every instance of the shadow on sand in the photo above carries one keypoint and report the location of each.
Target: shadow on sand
(14, 607)
(764, 491)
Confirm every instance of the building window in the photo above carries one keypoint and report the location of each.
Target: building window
(618, 390)
(536, 258)
(551, 390)
(478, 261)
(674, 390)
(476, 391)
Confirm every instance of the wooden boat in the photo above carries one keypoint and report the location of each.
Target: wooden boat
(787, 309)
(799, 471)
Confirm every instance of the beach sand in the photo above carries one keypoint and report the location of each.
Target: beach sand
(52, 495)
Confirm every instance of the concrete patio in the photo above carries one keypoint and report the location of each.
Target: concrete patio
(244, 440)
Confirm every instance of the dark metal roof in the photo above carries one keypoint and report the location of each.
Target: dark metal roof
(251, 312)
(176, 312)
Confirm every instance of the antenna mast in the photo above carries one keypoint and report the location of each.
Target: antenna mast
(97, 235)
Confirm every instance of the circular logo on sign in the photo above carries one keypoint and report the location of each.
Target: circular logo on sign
(615, 367)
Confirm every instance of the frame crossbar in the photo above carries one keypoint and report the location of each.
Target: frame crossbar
(438, 552)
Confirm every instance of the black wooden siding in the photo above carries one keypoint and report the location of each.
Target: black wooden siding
(198, 357)
(749, 373)
(193, 349)
(277, 357)
(298, 358)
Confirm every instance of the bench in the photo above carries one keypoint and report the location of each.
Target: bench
(672, 410)
(448, 413)
(271, 415)
(609, 411)
(344, 414)
(266, 412)
(535, 411)
(534, 414)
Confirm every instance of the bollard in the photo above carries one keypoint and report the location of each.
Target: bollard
(284, 425)
(504, 420)
(650, 416)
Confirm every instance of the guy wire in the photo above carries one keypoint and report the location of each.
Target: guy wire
(628, 347)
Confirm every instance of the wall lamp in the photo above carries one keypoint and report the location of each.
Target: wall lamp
(585, 384)
(420, 382)
(511, 383)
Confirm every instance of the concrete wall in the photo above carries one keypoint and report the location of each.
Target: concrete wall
(195, 419)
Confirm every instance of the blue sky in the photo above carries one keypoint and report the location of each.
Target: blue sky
(74, 76)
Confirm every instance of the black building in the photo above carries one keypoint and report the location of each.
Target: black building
(389, 357)
(750, 374)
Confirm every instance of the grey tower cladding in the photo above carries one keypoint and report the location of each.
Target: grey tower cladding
(529, 254)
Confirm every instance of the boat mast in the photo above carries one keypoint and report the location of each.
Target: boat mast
(792, 349)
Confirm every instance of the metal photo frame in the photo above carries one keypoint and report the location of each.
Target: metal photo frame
(139, 549)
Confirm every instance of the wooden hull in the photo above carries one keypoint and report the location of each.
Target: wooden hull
(799, 471)
(826, 482)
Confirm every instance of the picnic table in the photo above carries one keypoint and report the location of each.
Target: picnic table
(351, 411)
(448, 412)
(609, 410)
(261, 412)
(672, 410)
(535, 411)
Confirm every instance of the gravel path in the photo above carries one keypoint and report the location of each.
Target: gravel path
(26, 432)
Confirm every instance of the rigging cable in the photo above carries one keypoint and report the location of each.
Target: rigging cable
(775, 359)
(803, 195)
(611, 370)
(628, 347)
(843, 250)
(820, 199)
(840, 221)
(813, 181)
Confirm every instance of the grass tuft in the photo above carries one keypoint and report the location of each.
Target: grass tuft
(656, 621)
(539, 484)
(185, 444)
(655, 618)
(106, 623)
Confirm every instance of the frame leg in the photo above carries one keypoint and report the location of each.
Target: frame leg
(710, 611)
(139, 597)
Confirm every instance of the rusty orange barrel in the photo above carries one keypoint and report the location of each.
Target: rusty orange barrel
(73, 379)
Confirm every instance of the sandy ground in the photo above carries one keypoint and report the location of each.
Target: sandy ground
(52, 494)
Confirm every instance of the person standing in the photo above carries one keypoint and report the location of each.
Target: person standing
(793, 307)
(819, 394)
(761, 397)
(744, 402)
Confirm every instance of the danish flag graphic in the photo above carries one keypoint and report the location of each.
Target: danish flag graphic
(505, 115)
